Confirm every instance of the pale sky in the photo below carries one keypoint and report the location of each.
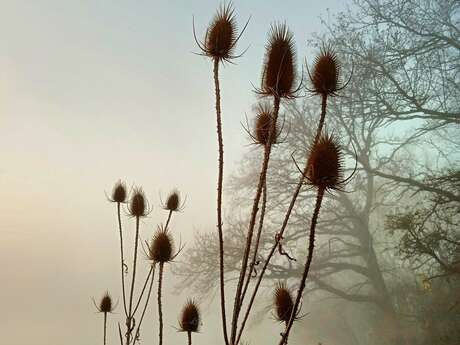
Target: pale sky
(94, 91)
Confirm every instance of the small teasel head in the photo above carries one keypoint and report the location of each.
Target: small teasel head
(279, 68)
(221, 35)
(105, 304)
(283, 302)
(161, 246)
(325, 164)
(119, 193)
(325, 76)
(174, 201)
(263, 123)
(138, 205)
(190, 318)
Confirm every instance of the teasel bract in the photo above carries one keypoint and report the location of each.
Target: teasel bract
(219, 44)
(190, 319)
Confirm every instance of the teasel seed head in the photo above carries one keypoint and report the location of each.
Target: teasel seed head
(161, 247)
(174, 202)
(279, 69)
(325, 77)
(190, 318)
(138, 206)
(105, 304)
(284, 302)
(263, 123)
(325, 164)
(119, 193)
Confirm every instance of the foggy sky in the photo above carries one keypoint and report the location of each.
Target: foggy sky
(94, 91)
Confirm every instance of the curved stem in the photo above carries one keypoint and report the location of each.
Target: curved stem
(311, 246)
(255, 208)
(105, 328)
(219, 199)
(130, 315)
(122, 259)
(160, 312)
(136, 334)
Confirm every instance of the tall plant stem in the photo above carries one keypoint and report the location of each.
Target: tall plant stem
(131, 293)
(311, 247)
(105, 328)
(149, 293)
(160, 311)
(169, 218)
(122, 259)
(219, 199)
(252, 222)
(284, 225)
(189, 336)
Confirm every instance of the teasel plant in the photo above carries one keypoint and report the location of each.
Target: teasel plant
(219, 45)
(190, 319)
(105, 307)
(161, 251)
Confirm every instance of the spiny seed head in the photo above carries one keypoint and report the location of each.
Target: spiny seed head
(221, 34)
(190, 317)
(263, 123)
(279, 75)
(173, 201)
(105, 305)
(138, 203)
(284, 302)
(161, 247)
(326, 73)
(325, 163)
(119, 192)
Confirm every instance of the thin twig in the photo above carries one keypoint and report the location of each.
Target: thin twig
(130, 315)
(160, 312)
(136, 334)
(122, 259)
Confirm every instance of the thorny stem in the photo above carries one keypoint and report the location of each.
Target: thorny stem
(255, 208)
(311, 246)
(143, 290)
(136, 334)
(169, 218)
(284, 225)
(189, 336)
(256, 246)
(160, 312)
(130, 315)
(122, 259)
(105, 328)
(219, 198)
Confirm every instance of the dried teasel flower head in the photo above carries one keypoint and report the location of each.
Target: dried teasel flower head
(190, 318)
(119, 193)
(138, 206)
(325, 164)
(325, 77)
(161, 247)
(283, 302)
(174, 202)
(105, 305)
(263, 124)
(279, 69)
(221, 35)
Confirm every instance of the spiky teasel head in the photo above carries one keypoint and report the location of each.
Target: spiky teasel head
(262, 123)
(161, 247)
(105, 304)
(279, 69)
(190, 318)
(119, 193)
(221, 35)
(283, 302)
(325, 164)
(325, 76)
(138, 205)
(174, 202)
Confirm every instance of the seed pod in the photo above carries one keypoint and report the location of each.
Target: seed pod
(190, 317)
(263, 123)
(173, 202)
(105, 305)
(326, 73)
(119, 192)
(284, 302)
(279, 71)
(221, 34)
(325, 163)
(161, 247)
(138, 203)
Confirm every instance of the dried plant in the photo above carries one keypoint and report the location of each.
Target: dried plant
(190, 319)
(105, 307)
